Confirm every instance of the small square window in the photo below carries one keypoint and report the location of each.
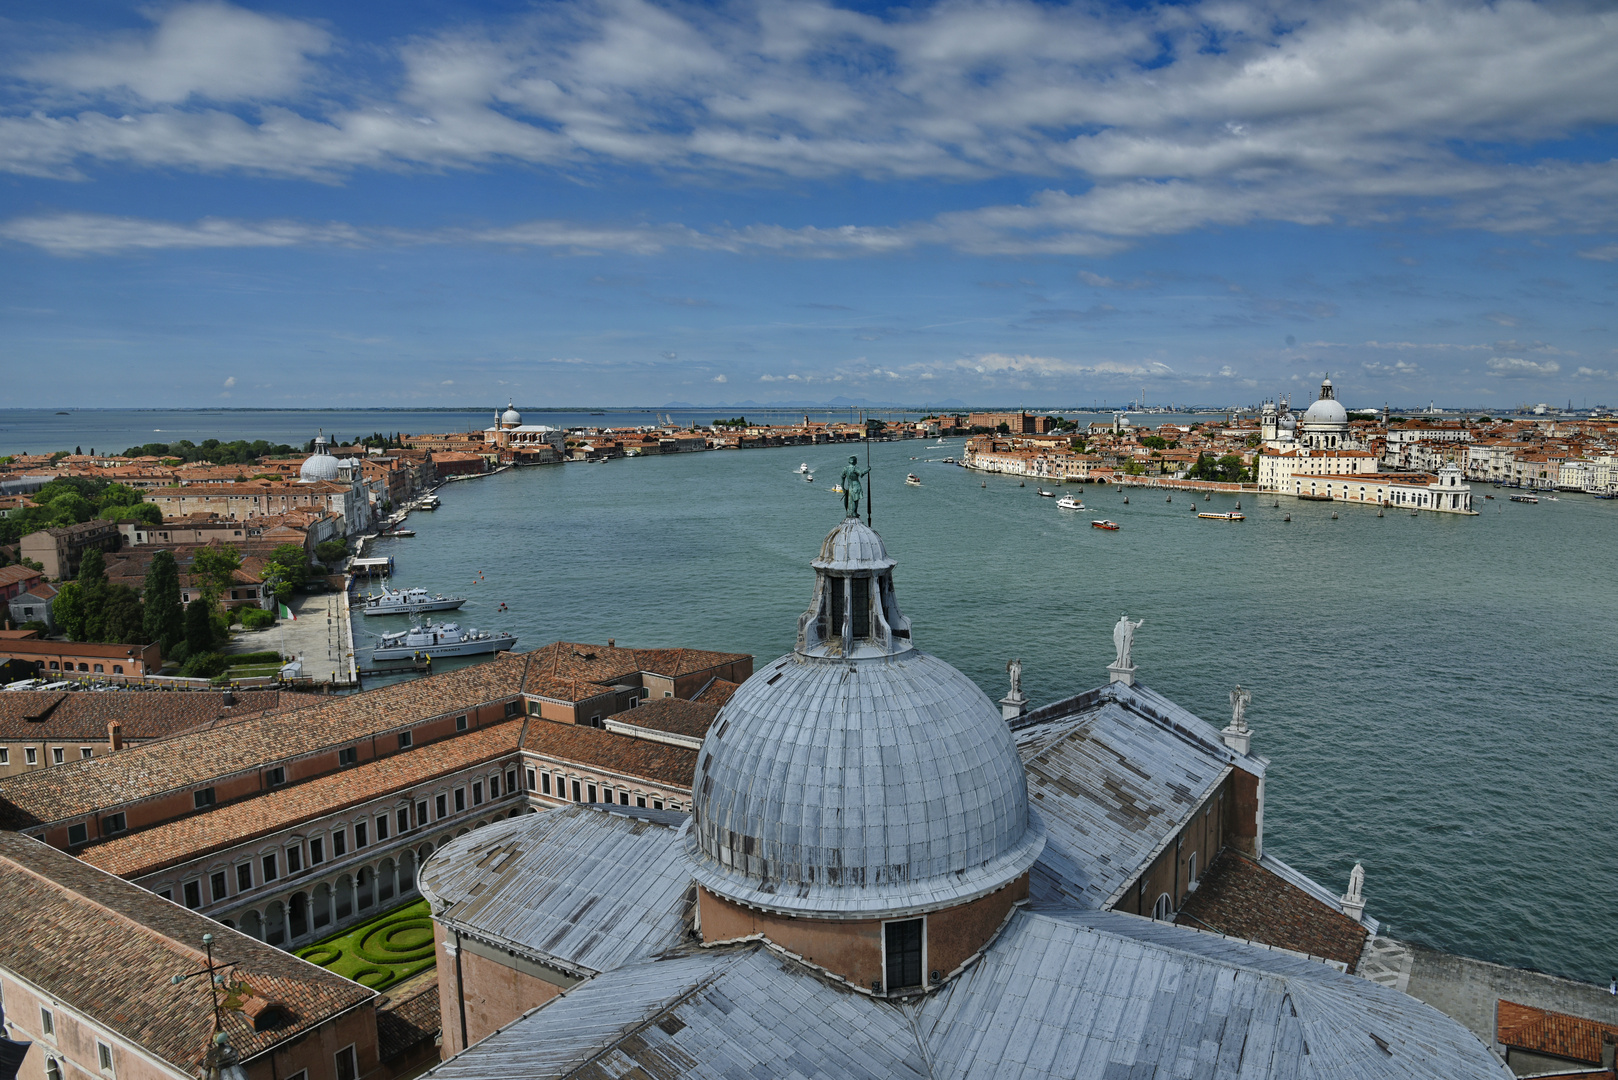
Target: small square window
(244, 877)
(86, 753)
(47, 1021)
(657, 804)
(58, 755)
(460, 799)
(640, 801)
(404, 740)
(112, 823)
(460, 723)
(275, 777)
(346, 756)
(202, 797)
(78, 833)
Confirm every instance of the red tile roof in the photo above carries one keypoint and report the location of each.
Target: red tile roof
(407, 1022)
(717, 692)
(674, 715)
(108, 948)
(607, 664)
(1240, 898)
(625, 755)
(186, 838)
(44, 715)
(1554, 1034)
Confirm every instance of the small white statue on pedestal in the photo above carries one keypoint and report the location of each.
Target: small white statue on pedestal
(1015, 703)
(1354, 899)
(1123, 639)
(1238, 736)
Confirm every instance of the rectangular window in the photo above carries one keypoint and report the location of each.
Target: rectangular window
(402, 819)
(339, 843)
(623, 798)
(47, 1022)
(202, 797)
(421, 814)
(511, 781)
(104, 1056)
(640, 801)
(460, 799)
(193, 894)
(5, 756)
(545, 782)
(657, 804)
(494, 787)
(460, 723)
(404, 740)
(477, 793)
(244, 877)
(576, 796)
(347, 1066)
(216, 886)
(902, 942)
(861, 606)
(590, 789)
(360, 837)
(57, 755)
(31, 756)
(270, 873)
(86, 753)
(294, 859)
(317, 850)
(112, 823)
(382, 827)
(275, 777)
(441, 804)
(78, 834)
(345, 756)
(528, 774)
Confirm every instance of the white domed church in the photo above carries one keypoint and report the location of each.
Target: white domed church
(882, 876)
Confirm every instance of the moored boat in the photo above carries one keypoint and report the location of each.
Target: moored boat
(1043, 494)
(405, 601)
(440, 639)
(1525, 498)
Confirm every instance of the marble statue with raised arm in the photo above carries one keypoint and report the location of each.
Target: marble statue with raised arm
(1123, 637)
(853, 490)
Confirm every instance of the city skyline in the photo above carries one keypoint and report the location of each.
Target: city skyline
(281, 205)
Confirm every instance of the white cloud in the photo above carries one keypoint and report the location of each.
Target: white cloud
(1051, 367)
(210, 50)
(99, 234)
(720, 379)
(1606, 253)
(1515, 367)
(230, 382)
(1356, 113)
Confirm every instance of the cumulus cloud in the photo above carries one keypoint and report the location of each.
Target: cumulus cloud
(1515, 367)
(1052, 366)
(1143, 120)
(230, 382)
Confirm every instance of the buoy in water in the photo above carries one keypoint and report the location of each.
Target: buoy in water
(1379, 511)
(1334, 515)
(1126, 500)
(1207, 498)
(1238, 504)
(1169, 499)
(1287, 518)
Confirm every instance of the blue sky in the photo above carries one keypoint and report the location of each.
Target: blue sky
(629, 203)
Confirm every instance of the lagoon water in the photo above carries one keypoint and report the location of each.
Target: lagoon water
(1434, 693)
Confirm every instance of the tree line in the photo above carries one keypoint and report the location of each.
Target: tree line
(71, 500)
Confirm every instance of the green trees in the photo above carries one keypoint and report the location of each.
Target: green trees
(69, 611)
(69, 500)
(287, 569)
(213, 567)
(198, 627)
(239, 452)
(163, 620)
(331, 551)
(1228, 469)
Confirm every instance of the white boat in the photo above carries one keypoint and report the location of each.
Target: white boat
(912, 479)
(803, 466)
(808, 477)
(1068, 502)
(440, 639)
(406, 601)
(1043, 494)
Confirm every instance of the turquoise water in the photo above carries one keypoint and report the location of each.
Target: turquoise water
(1434, 693)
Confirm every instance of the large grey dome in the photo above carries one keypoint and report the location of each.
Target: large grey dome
(861, 782)
(1326, 411)
(318, 466)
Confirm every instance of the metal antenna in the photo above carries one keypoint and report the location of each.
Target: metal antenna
(212, 971)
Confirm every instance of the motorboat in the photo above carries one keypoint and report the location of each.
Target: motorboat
(1104, 523)
(912, 479)
(407, 601)
(1043, 494)
(803, 466)
(1525, 498)
(1231, 515)
(440, 639)
(808, 477)
(1068, 502)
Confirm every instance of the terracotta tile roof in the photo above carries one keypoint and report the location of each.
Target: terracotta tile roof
(1239, 898)
(107, 948)
(408, 1022)
(663, 763)
(570, 690)
(44, 715)
(191, 759)
(10, 575)
(674, 715)
(1554, 1034)
(186, 838)
(608, 664)
(717, 692)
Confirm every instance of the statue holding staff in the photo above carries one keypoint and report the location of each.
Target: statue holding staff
(853, 490)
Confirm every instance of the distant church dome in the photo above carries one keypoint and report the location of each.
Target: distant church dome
(857, 777)
(511, 417)
(1326, 411)
(320, 465)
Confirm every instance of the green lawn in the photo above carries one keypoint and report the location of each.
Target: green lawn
(381, 951)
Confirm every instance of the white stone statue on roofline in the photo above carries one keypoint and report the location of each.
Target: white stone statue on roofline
(1014, 669)
(1015, 703)
(1123, 637)
(1239, 701)
(1354, 898)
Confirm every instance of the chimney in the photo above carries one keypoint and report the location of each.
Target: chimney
(612, 643)
(115, 736)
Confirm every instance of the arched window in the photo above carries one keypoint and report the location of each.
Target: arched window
(1191, 868)
(1163, 910)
